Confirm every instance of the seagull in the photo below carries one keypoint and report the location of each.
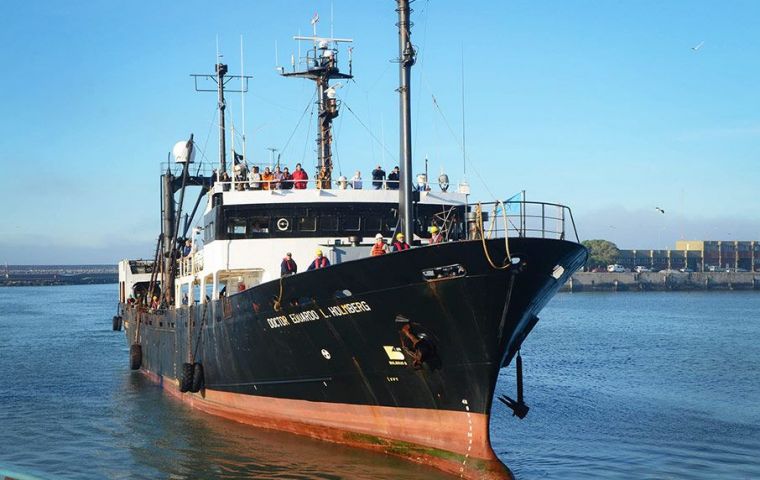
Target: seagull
(697, 47)
(660, 210)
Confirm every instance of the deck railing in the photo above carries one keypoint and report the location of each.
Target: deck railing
(524, 219)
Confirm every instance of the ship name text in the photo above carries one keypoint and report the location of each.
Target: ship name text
(318, 314)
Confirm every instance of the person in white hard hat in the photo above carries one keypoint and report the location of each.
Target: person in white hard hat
(380, 247)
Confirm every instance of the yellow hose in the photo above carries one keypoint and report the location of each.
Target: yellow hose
(479, 215)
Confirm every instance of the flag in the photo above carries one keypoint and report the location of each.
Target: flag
(315, 18)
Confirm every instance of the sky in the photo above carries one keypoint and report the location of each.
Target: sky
(606, 107)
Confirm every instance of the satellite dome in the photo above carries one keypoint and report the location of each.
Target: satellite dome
(183, 153)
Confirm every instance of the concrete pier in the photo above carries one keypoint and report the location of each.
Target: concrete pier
(657, 281)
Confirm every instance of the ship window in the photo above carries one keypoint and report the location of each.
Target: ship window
(208, 232)
(259, 225)
(328, 223)
(307, 224)
(372, 224)
(350, 223)
(236, 227)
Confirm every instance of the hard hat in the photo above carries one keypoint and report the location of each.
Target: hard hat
(434, 229)
(379, 236)
(399, 236)
(319, 252)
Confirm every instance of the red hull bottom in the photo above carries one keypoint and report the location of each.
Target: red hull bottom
(454, 442)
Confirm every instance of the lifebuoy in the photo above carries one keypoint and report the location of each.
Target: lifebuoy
(283, 224)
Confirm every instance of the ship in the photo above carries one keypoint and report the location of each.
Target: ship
(397, 353)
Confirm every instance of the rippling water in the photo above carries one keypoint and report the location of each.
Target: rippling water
(652, 385)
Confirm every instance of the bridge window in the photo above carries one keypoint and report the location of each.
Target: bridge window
(236, 227)
(373, 224)
(307, 224)
(328, 223)
(350, 223)
(259, 225)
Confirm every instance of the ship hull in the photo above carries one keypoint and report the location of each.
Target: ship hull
(331, 353)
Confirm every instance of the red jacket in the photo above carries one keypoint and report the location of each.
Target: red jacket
(398, 246)
(300, 175)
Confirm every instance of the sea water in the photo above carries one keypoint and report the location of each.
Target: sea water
(645, 385)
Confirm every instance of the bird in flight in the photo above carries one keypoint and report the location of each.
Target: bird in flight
(697, 47)
(659, 210)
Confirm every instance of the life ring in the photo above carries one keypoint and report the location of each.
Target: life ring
(283, 224)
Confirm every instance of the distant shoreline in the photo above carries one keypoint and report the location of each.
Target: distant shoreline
(54, 275)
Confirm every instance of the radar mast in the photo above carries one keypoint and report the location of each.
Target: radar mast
(322, 66)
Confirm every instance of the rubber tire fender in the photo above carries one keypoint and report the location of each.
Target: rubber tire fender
(186, 380)
(135, 356)
(116, 323)
(198, 379)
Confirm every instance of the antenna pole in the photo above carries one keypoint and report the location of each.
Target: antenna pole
(242, 93)
(406, 60)
(221, 71)
(464, 143)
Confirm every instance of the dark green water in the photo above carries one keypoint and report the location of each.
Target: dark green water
(655, 385)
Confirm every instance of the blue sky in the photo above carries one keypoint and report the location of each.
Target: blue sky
(603, 106)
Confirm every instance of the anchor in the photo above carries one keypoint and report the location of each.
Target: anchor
(519, 408)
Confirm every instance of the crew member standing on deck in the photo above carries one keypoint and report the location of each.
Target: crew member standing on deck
(288, 266)
(380, 247)
(319, 262)
(399, 244)
(300, 177)
(436, 237)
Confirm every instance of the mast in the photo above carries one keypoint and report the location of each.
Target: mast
(321, 67)
(221, 71)
(221, 78)
(405, 61)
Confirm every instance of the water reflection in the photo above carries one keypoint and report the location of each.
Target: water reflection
(172, 440)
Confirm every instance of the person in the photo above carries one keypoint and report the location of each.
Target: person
(241, 172)
(380, 247)
(300, 177)
(342, 182)
(378, 177)
(266, 179)
(188, 248)
(277, 178)
(254, 179)
(323, 181)
(288, 266)
(287, 179)
(319, 262)
(356, 181)
(436, 237)
(154, 304)
(225, 178)
(399, 244)
(393, 178)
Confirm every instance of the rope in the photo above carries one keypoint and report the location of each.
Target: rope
(479, 224)
(200, 332)
(278, 301)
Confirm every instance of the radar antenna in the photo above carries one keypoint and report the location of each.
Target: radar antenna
(321, 66)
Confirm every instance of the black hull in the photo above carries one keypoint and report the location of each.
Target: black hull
(340, 349)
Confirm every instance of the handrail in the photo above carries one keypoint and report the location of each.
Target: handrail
(530, 219)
